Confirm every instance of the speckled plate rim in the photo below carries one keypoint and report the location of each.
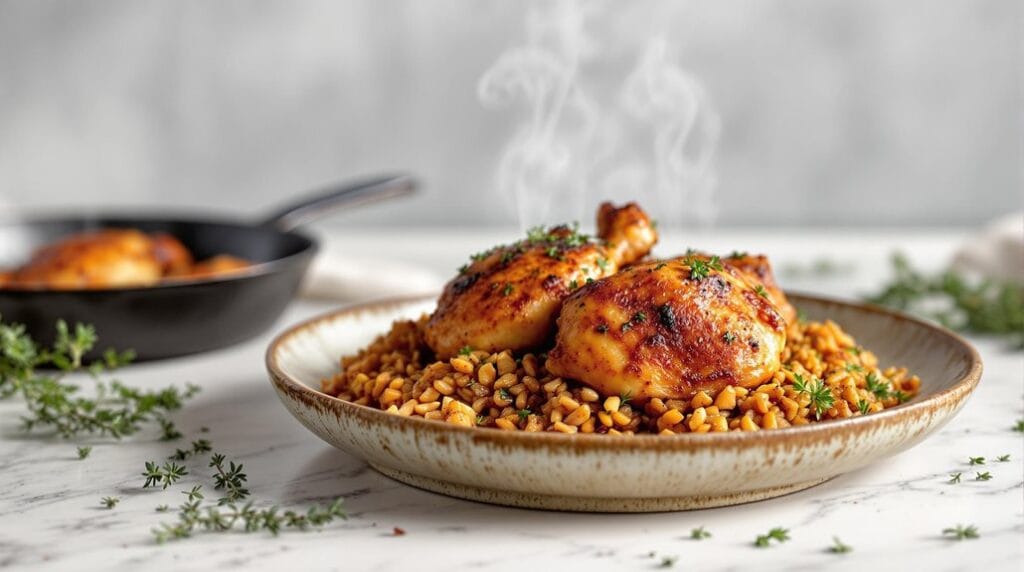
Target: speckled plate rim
(951, 397)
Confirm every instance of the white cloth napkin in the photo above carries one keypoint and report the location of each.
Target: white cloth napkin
(340, 276)
(997, 252)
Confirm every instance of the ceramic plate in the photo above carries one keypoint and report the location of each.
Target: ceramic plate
(621, 474)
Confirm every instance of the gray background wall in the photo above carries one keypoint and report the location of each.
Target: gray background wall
(832, 112)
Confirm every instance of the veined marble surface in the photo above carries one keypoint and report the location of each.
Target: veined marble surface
(891, 513)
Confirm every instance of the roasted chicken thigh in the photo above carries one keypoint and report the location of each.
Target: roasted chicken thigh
(508, 297)
(669, 329)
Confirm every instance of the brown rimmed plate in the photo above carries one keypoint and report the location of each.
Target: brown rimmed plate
(600, 473)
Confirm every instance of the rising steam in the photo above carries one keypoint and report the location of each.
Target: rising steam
(569, 152)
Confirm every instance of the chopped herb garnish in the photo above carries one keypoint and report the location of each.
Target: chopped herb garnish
(573, 284)
(626, 326)
(523, 414)
(728, 337)
(778, 534)
(602, 263)
(626, 395)
(761, 291)
(838, 547)
(820, 394)
(854, 367)
(879, 387)
(466, 351)
(639, 317)
(83, 452)
(960, 532)
(976, 461)
(738, 254)
(700, 269)
(954, 478)
(109, 502)
(601, 328)
(481, 419)
(507, 289)
(699, 533)
(863, 406)
(986, 476)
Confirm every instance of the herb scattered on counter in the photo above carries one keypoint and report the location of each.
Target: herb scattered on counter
(778, 534)
(195, 494)
(986, 476)
(192, 517)
(109, 502)
(1019, 427)
(397, 531)
(1003, 458)
(700, 533)
(838, 547)
(199, 447)
(115, 409)
(976, 461)
(668, 561)
(960, 532)
(162, 508)
(985, 307)
(83, 452)
(820, 394)
(164, 476)
(954, 478)
(231, 480)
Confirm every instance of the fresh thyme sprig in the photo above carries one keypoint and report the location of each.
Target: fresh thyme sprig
(232, 480)
(115, 409)
(778, 534)
(960, 532)
(985, 307)
(192, 517)
(699, 533)
(109, 502)
(976, 461)
(838, 547)
(164, 476)
(983, 476)
(199, 447)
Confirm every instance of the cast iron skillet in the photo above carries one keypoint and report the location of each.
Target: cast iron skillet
(185, 317)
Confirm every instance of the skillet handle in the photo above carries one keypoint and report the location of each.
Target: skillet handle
(339, 197)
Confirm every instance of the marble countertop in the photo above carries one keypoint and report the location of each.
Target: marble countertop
(891, 513)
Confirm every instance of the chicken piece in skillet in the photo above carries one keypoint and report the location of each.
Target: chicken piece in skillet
(109, 258)
(669, 329)
(508, 297)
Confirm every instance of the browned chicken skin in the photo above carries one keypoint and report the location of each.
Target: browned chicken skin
(508, 297)
(669, 329)
(757, 269)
